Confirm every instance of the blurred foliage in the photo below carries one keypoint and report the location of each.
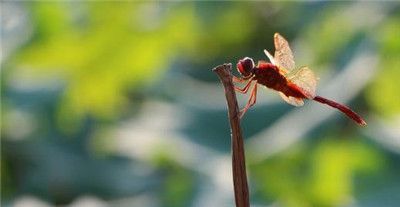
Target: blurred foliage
(102, 56)
(79, 84)
(316, 175)
(178, 184)
(383, 86)
(327, 45)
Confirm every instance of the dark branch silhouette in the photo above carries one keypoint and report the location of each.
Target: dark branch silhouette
(238, 157)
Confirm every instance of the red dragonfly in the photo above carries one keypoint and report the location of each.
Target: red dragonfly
(293, 84)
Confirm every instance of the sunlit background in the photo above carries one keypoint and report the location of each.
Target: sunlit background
(115, 104)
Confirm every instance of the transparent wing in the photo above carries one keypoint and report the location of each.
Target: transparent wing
(270, 57)
(272, 60)
(305, 79)
(292, 100)
(283, 54)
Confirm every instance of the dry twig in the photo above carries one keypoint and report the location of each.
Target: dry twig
(238, 158)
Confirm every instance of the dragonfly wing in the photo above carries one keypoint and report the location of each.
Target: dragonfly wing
(273, 61)
(305, 79)
(270, 57)
(292, 100)
(283, 53)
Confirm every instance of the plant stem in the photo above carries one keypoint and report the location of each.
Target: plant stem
(238, 159)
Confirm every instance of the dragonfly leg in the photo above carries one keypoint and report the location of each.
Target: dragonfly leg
(238, 80)
(250, 102)
(245, 88)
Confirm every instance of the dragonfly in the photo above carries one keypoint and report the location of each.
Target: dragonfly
(293, 84)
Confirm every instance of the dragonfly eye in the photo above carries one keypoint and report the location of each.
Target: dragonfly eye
(245, 66)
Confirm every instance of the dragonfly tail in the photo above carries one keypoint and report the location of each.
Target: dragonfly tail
(344, 109)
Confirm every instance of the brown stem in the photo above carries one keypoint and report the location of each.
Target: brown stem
(238, 159)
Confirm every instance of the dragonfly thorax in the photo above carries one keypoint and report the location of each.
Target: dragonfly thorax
(245, 67)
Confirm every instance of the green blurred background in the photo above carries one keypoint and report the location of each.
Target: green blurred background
(115, 104)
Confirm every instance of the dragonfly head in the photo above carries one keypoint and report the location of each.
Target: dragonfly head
(245, 67)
